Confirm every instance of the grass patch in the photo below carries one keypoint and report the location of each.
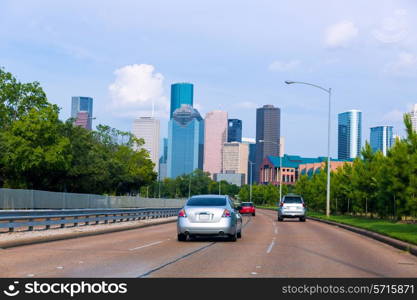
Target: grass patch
(403, 232)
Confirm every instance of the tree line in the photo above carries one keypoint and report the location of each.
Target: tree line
(39, 151)
(373, 185)
(196, 183)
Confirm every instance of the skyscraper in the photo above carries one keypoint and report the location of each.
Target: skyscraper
(147, 128)
(235, 158)
(163, 161)
(349, 134)
(215, 135)
(251, 157)
(181, 93)
(185, 141)
(234, 131)
(82, 119)
(413, 115)
(82, 104)
(268, 119)
(382, 138)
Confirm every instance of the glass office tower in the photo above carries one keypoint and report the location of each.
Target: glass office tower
(181, 93)
(82, 104)
(382, 138)
(234, 131)
(349, 134)
(185, 142)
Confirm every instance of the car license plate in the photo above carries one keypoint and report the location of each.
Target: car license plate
(204, 217)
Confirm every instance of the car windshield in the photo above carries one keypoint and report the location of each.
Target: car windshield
(247, 204)
(293, 200)
(206, 202)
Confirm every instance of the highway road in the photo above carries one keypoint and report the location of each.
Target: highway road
(267, 249)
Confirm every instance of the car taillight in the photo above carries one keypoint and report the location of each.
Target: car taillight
(226, 213)
(304, 205)
(281, 204)
(182, 213)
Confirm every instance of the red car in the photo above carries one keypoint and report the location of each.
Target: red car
(247, 208)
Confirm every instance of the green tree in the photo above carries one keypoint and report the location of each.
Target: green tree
(34, 154)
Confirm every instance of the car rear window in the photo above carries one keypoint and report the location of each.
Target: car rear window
(293, 200)
(206, 202)
(247, 204)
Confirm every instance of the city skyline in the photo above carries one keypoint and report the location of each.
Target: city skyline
(367, 54)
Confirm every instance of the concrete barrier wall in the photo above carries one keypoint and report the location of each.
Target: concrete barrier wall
(33, 199)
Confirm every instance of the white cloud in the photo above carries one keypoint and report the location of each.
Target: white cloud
(284, 66)
(136, 89)
(340, 34)
(393, 116)
(393, 29)
(404, 65)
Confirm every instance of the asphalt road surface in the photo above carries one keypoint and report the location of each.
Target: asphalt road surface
(267, 249)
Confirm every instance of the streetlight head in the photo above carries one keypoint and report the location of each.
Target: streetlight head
(289, 82)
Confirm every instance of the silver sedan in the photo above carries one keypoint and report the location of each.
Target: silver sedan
(209, 215)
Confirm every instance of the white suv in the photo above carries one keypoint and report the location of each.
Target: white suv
(292, 206)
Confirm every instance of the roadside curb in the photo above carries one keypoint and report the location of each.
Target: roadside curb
(412, 249)
(73, 235)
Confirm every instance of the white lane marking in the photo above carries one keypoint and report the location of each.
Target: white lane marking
(254, 273)
(258, 267)
(147, 245)
(276, 230)
(60, 267)
(270, 246)
(30, 275)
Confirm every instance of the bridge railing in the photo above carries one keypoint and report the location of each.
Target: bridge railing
(46, 219)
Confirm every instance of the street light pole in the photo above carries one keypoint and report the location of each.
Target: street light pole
(189, 187)
(329, 92)
(251, 179)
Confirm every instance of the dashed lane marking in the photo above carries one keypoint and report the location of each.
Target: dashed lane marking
(270, 246)
(147, 245)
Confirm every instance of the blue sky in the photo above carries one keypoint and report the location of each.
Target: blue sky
(125, 54)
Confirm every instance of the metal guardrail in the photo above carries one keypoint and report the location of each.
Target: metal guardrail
(34, 199)
(38, 218)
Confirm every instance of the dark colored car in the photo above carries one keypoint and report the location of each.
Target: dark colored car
(247, 208)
